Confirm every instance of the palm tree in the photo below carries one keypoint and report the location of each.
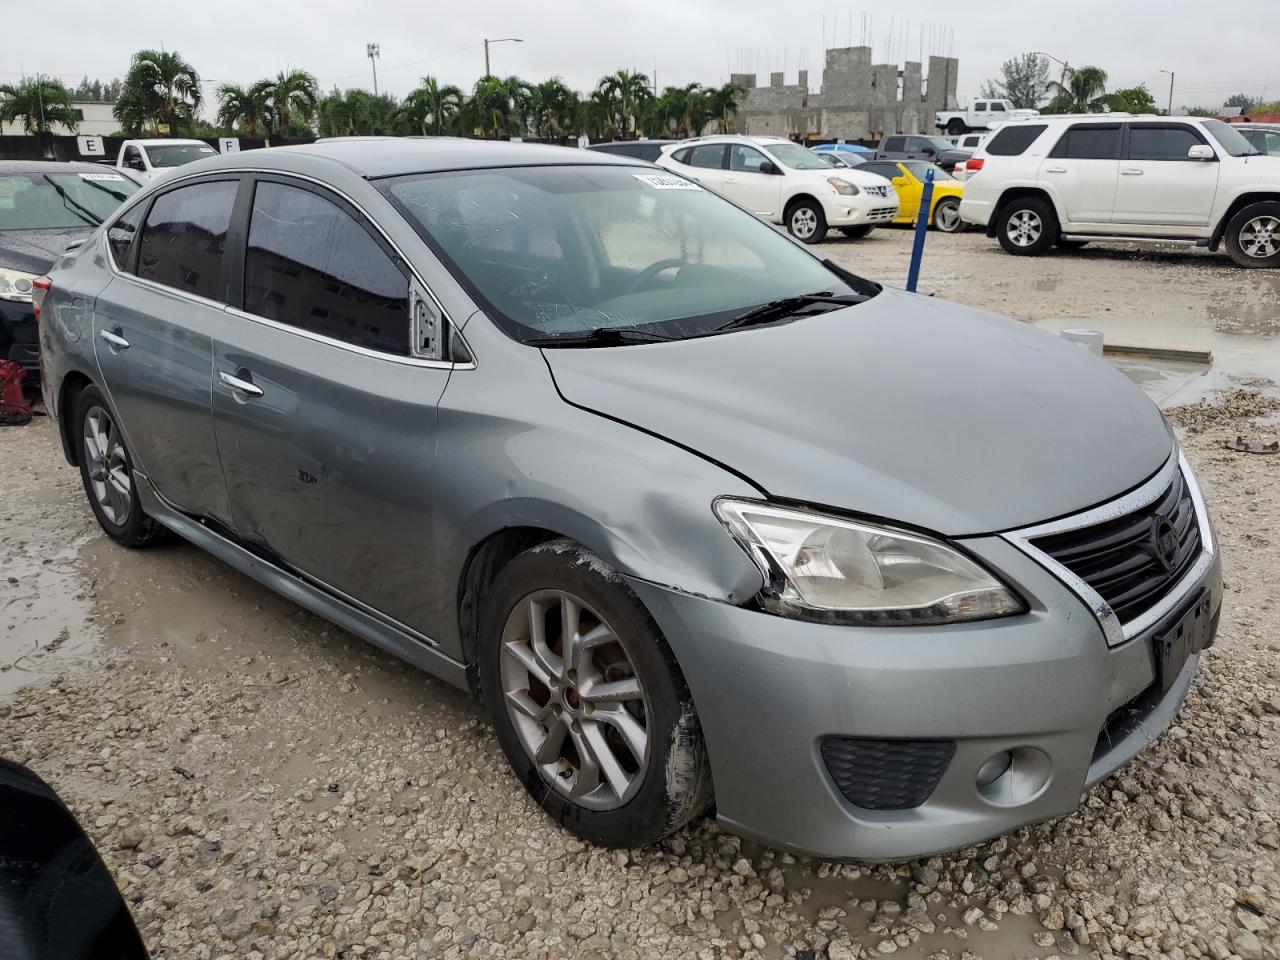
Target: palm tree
(432, 108)
(555, 108)
(249, 109)
(291, 91)
(683, 111)
(37, 104)
(160, 87)
(1085, 91)
(490, 107)
(722, 104)
(626, 91)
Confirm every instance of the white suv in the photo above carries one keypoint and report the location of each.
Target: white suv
(1068, 180)
(785, 183)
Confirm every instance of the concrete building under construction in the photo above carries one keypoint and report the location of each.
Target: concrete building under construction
(860, 100)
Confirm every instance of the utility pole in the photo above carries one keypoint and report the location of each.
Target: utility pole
(372, 52)
(1170, 73)
(487, 41)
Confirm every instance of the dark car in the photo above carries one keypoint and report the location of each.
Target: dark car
(648, 150)
(44, 208)
(934, 149)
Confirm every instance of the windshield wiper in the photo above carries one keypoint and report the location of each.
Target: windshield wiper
(601, 337)
(79, 209)
(786, 307)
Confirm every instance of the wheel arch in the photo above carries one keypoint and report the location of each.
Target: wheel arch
(68, 396)
(797, 198)
(1019, 193)
(1238, 204)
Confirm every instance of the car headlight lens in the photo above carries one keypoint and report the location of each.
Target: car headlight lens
(829, 568)
(15, 285)
(843, 187)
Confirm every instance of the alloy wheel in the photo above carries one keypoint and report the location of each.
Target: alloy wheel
(1024, 228)
(1260, 237)
(947, 217)
(108, 466)
(804, 223)
(574, 699)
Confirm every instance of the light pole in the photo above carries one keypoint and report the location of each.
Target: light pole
(371, 51)
(1062, 80)
(486, 50)
(1170, 73)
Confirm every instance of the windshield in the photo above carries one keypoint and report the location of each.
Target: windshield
(919, 169)
(1230, 139)
(175, 155)
(559, 251)
(795, 156)
(59, 201)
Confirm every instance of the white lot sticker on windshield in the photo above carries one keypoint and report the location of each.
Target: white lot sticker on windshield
(660, 182)
(101, 176)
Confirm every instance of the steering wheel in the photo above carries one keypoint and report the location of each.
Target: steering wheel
(652, 270)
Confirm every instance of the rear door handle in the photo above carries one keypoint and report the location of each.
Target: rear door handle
(113, 339)
(1055, 169)
(246, 387)
(1130, 172)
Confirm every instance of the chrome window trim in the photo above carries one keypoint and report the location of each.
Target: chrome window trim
(320, 338)
(1116, 632)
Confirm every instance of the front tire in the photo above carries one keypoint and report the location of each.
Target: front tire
(946, 216)
(106, 470)
(806, 221)
(1253, 235)
(1027, 227)
(857, 233)
(587, 700)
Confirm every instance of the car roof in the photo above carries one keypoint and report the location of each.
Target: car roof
(53, 166)
(372, 157)
(162, 141)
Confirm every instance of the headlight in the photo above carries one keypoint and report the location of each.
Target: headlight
(15, 285)
(828, 568)
(843, 187)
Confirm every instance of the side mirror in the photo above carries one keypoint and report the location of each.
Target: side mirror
(770, 168)
(1200, 151)
(135, 163)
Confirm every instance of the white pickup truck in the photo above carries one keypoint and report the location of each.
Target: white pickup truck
(151, 159)
(982, 115)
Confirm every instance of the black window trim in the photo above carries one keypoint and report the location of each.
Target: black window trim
(1161, 125)
(1121, 143)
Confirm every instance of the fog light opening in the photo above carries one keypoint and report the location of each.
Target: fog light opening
(994, 768)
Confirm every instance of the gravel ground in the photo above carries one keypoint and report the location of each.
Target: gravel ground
(262, 785)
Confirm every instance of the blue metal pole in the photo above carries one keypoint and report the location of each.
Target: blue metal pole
(922, 226)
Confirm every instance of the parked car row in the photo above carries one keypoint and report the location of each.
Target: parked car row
(699, 517)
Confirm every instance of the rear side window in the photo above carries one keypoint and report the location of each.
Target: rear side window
(184, 237)
(980, 108)
(310, 265)
(122, 233)
(1153, 142)
(1012, 141)
(1089, 141)
(893, 145)
(709, 155)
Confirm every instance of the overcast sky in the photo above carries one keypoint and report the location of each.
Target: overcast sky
(1215, 50)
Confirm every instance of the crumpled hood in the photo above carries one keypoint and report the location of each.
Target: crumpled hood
(34, 251)
(907, 408)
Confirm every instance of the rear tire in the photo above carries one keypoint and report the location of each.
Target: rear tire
(623, 769)
(106, 470)
(956, 127)
(857, 233)
(1027, 227)
(946, 216)
(1253, 235)
(806, 221)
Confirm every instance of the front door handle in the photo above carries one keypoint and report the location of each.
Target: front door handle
(1130, 172)
(246, 387)
(113, 339)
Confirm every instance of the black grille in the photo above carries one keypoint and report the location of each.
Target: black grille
(1135, 560)
(886, 774)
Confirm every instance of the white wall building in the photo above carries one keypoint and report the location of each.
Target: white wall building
(95, 120)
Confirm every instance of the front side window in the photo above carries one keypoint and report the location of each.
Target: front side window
(997, 107)
(1154, 142)
(61, 201)
(1014, 138)
(310, 265)
(122, 233)
(133, 159)
(795, 156)
(709, 156)
(166, 155)
(184, 238)
(1091, 141)
(557, 252)
(893, 145)
(744, 159)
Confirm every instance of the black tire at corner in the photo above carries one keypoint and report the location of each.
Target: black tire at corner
(1048, 234)
(677, 780)
(856, 233)
(1231, 238)
(139, 529)
(820, 233)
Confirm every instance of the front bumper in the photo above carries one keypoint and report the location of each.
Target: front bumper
(861, 210)
(1043, 685)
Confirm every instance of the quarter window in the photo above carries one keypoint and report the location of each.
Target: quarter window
(121, 234)
(310, 265)
(1089, 142)
(709, 155)
(1013, 139)
(1151, 142)
(184, 237)
(893, 145)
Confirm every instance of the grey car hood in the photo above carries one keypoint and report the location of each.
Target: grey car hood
(34, 251)
(904, 407)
